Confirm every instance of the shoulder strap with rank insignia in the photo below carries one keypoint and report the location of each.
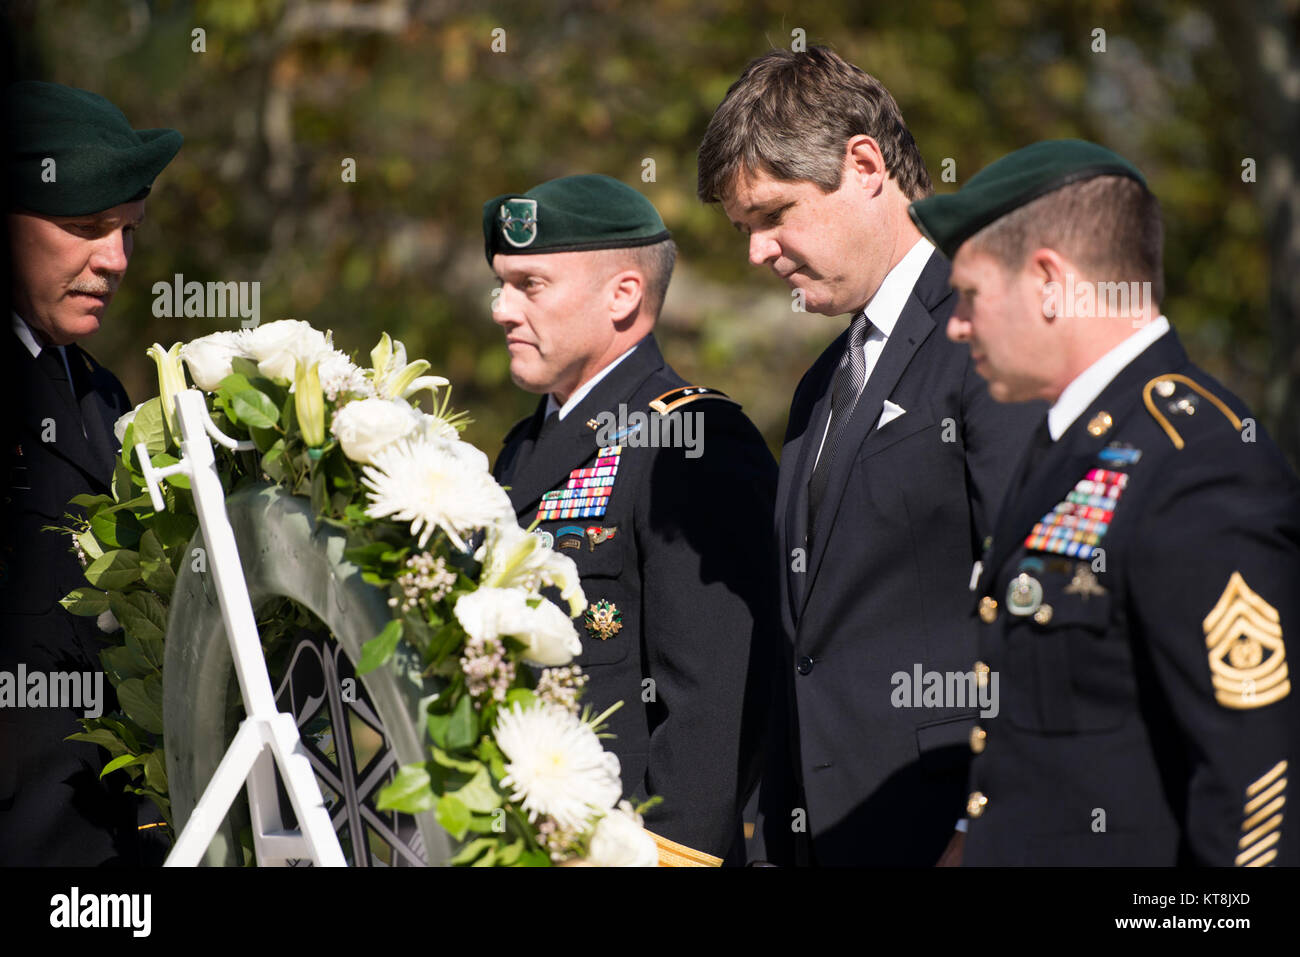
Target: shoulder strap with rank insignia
(1160, 392)
(676, 398)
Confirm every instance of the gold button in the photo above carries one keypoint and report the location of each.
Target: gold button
(976, 803)
(1043, 615)
(1165, 387)
(988, 609)
(981, 674)
(977, 736)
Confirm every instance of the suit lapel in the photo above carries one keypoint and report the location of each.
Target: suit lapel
(94, 412)
(914, 326)
(1076, 451)
(572, 442)
(49, 401)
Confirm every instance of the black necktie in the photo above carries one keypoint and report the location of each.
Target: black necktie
(850, 377)
(527, 452)
(51, 362)
(1039, 446)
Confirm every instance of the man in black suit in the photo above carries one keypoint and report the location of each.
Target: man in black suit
(894, 461)
(1139, 588)
(78, 177)
(658, 490)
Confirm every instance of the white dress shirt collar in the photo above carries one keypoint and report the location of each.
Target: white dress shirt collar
(1080, 393)
(580, 393)
(884, 308)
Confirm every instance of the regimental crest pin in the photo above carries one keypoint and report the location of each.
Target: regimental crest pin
(603, 620)
(518, 221)
(1084, 583)
(1243, 635)
(596, 534)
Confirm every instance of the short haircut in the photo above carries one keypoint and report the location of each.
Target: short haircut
(655, 262)
(790, 115)
(1109, 225)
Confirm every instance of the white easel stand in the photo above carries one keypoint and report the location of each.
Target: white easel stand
(266, 738)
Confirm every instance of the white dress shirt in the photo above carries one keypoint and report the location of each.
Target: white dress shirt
(1080, 393)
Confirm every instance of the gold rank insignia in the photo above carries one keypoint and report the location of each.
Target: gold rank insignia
(603, 620)
(1247, 657)
(1261, 824)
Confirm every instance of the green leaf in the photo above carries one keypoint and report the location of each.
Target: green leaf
(141, 699)
(121, 663)
(90, 502)
(155, 771)
(408, 792)
(244, 368)
(155, 568)
(148, 427)
(114, 570)
(255, 408)
(380, 648)
(101, 736)
(273, 463)
(117, 529)
(471, 851)
(534, 859)
(509, 856)
(524, 697)
(479, 794)
(174, 530)
(489, 753)
(89, 544)
(86, 602)
(454, 816)
(121, 761)
(447, 761)
(143, 617)
(462, 731)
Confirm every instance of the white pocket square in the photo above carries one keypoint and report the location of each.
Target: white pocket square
(890, 412)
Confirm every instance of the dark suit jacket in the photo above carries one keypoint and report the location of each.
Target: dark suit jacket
(690, 569)
(1147, 720)
(53, 807)
(882, 588)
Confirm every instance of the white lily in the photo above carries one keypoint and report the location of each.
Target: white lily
(171, 381)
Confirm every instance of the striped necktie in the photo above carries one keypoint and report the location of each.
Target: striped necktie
(850, 377)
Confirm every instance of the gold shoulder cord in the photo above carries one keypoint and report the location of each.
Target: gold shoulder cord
(1195, 387)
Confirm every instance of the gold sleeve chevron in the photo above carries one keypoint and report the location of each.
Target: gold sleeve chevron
(1261, 824)
(1247, 657)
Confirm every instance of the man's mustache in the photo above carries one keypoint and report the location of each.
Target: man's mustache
(95, 289)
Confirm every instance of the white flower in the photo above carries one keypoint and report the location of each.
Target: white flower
(421, 482)
(365, 426)
(620, 840)
(436, 427)
(209, 358)
(555, 765)
(339, 375)
(512, 557)
(119, 427)
(107, 622)
(278, 346)
(546, 632)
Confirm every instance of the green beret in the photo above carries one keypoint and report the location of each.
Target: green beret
(1011, 182)
(572, 213)
(99, 161)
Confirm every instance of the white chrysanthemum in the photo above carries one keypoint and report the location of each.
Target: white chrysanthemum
(547, 633)
(436, 427)
(339, 375)
(421, 482)
(512, 557)
(621, 840)
(555, 765)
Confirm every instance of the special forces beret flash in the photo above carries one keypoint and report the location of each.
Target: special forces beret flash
(570, 214)
(72, 153)
(1011, 182)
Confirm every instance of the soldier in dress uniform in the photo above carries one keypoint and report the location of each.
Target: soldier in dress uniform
(78, 177)
(1139, 591)
(660, 491)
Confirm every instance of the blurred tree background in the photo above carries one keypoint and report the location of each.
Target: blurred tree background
(442, 105)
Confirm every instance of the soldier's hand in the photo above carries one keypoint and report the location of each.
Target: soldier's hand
(951, 856)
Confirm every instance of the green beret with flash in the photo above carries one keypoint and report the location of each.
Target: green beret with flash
(1011, 182)
(570, 214)
(73, 153)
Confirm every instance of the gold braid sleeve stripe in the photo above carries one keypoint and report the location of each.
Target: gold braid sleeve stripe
(1262, 825)
(1195, 387)
(672, 854)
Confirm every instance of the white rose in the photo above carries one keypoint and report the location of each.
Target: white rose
(366, 426)
(277, 346)
(119, 427)
(620, 841)
(210, 357)
(547, 633)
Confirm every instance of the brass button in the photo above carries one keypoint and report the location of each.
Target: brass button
(981, 674)
(1043, 615)
(976, 803)
(1165, 387)
(977, 736)
(988, 609)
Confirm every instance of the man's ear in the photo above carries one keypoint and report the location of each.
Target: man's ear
(626, 291)
(863, 159)
(1046, 270)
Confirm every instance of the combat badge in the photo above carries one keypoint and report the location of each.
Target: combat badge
(603, 620)
(1247, 657)
(1084, 583)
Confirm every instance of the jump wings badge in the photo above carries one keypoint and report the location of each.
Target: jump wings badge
(1247, 657)
(518, 221)
(603, 620)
